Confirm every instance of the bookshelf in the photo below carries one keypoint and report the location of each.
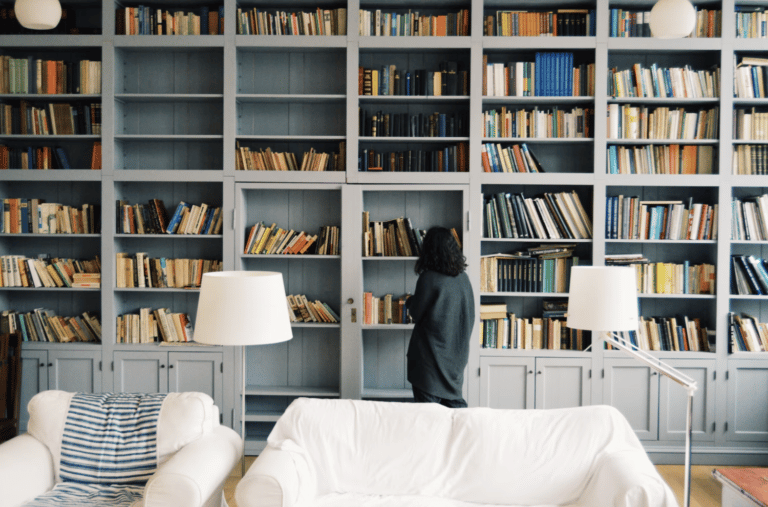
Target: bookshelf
(176, 108)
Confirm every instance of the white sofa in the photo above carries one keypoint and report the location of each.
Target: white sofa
(195, 455)
(351, 453)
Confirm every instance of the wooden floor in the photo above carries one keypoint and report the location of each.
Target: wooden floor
(705, 490)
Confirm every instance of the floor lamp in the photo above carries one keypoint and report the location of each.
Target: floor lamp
(241, 308)
(603, 300)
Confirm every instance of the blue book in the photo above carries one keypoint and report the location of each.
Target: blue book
(441, 125)
(537, 74)
(208, 220)
(608, 217)
(686, 278)
(203, 20)
(24, 212)
(408, 83)
(62, 156)
(569, 75)
(384, 81)
(173, 223)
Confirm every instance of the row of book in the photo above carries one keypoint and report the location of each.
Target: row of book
(43, 325)
(524, 23)
(139, 270)
(626, 121)
(549, 75)
(35, 216)
(539, 123)
(44, 271)
(318, 22)
(543, 269)
(750, 124)
(34, 75)
(386, 309)
(145, 20)
(750, 78)
(500, 329)
(413, 23)
(394, 238)
(660, 82)
(273, 240)
(268, 160)
(749, 275)
(50, 119)
(750, 159)
(387, 80)
(552, 215)
(516, 158)
(453, 158)
(751, 22)
(629, 217)
(392, 124)
(153, 218)
(678, 334)
(749, 218)
(34, 157)
(151, 326)
(301, 309)
(668, 277)
(624, 23)
(661, 159)
(747, 333)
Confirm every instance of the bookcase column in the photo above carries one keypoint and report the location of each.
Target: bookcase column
(351, 366)
(353, 62)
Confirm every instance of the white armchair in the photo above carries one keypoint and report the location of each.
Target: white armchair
(189, 454)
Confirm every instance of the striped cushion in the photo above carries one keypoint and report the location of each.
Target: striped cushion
(71, 494)
(110, 438)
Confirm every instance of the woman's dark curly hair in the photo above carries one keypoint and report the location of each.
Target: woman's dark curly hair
(441, 253)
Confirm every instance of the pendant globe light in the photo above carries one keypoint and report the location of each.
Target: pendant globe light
(672, 19)
(38, 14)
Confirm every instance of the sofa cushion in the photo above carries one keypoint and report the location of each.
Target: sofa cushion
(184, 417)
(477, 455)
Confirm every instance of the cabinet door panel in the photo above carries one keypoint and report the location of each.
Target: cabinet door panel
(562, 383)
(75, 371)
(673, 403)
(34, 378)
(747, 416)
(141, 372)
(201, 372)
(634, 390)
(506, 382)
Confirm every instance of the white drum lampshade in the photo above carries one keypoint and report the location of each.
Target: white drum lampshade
(38, 14)
(672, 19)
(603, 298)
(242, 308)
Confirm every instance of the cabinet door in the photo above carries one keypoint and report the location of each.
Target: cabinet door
(197, 371)
(634, 390)
(141, 372)
(34, 378)
(563, 382)
(747, 416)
(673, 402)
(507, 382)
(74, 371)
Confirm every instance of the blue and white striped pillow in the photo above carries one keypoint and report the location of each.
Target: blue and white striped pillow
(110, 438)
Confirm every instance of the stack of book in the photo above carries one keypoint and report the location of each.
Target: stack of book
(43, 325)
(667, 277)
(386, 309)
(37, 76)
(751, 22)
(144, 20)
(549, 75)
(44, 271)
(302, 309)
(500, 329)
(678, 334)
(139, 270)
(750, 159)
(319, 22)
(55, 118)
(391, 124)
(750, 124)
(749, 275)
(627, 121)
(34, 157)
(150, 326)
(512, 159)
(394, 238)
(388, 80)
(539, 123)
(267, 160)
(273, 240)
(661, 159)
(545, 268)
(35, 216)
(748, 334)
(413, 23)
(550, 216)
(452, 158)
(749, 218)
(559, 23)
(654, 81)
(628, 217)
(624, 23)
(194, 219)
(150, 218)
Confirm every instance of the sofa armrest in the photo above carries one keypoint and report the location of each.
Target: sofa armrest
(626, 479)
(197, 472)
(26, 470)
(278, 478)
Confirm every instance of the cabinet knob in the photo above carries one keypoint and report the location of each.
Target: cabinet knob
(538, 373)
(50, 364)
(350, 301)
(530, 372)
(42, 365)
(162, 366)
(170, 366)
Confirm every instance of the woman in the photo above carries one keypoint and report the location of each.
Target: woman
(443, 310)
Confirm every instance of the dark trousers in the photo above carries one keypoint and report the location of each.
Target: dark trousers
(424, 397)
